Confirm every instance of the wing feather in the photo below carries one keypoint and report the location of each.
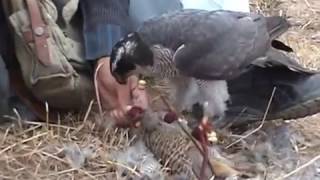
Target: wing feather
(227, 54)
(217, 45)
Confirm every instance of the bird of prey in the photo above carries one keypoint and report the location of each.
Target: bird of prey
(198, 51)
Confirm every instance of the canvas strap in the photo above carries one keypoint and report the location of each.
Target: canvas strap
(39, 32)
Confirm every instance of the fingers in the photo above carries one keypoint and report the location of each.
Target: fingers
(124, 93)
(141, 100)
(121, 118)
(117, 114)
(123, 97)
(105, 84)
(114, 95)
(108, 98)
(120, 115)
(140, 97)
(133, 81)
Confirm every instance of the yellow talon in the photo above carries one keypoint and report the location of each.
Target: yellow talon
(142, 84)
(212, 137)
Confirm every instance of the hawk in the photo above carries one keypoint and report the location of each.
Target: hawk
(198, 51)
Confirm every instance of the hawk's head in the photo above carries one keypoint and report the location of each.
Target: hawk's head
(129, 56)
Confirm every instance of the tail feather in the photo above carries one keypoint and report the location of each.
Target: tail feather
(281, 46)
(276, 26)
(276, 58)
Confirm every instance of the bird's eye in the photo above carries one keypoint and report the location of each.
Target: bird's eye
(130, 35)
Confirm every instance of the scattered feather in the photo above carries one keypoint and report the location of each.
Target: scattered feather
(138, 157)
(77, 156)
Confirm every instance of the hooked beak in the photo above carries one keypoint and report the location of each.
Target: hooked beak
(121, 79)
(120, 74)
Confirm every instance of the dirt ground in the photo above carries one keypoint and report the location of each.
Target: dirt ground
(76, 148)
(304, 37)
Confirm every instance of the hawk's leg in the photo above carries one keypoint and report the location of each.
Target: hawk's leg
(216, 94)
(201, 131)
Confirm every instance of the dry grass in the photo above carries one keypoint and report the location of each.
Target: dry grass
(40, 151)
(304, 36)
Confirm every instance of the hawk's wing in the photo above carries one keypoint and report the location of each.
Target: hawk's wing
(276, 58)
(228, 52)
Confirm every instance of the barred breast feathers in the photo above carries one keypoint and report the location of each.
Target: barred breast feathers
(164, 66)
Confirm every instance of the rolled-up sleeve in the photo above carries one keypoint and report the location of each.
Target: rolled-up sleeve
(104, 23)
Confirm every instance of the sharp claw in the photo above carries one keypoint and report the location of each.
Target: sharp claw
(212, 137)
(205, 135)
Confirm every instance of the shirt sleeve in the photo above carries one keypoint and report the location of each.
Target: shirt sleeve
(104, 23)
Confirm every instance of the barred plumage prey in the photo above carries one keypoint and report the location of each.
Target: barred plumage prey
(172, 147)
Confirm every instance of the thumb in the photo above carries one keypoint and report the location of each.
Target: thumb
(140, 98)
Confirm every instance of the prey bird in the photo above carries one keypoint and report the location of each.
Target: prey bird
(198, 51)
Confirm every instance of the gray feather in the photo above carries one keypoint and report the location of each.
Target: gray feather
(201, 49)
(211, 39)
(276, 26)
(218, 45)
(275, 58)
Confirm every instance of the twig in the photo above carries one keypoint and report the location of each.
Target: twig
(47, 115)
(23, 167)
(5, 136)
(313, 160)
(5, 177)
(88, 112)
(260, 126)
(307, 24)
(23, 141)
(29, 129)
(124, 166)
(309, 6)
(59, 123)
(54, 157)
(51, 125)
(59, 173)
(62, 160)
(87, 173)
(235, 119)
(35, 150)
(37, 168)
(19, 118)
(84, 120)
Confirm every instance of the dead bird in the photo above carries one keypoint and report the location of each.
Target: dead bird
(178, 146)
(176, 151)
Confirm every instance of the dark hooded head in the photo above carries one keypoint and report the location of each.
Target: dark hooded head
(128, 55)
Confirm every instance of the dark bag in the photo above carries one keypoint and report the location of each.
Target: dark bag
(50, 55)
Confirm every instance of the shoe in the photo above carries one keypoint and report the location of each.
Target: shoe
(4, 91)
(297, 94)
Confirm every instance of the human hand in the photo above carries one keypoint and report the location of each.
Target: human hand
(118, 98)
